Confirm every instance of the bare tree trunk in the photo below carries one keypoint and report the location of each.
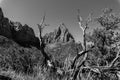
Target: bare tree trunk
(41, 26)
(84, 52)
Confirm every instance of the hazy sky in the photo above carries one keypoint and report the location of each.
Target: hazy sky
(57, 11)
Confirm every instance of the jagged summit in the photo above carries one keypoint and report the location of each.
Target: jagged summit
(23, 35)
(61, 34)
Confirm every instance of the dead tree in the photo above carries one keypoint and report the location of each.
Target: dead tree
(41, 26)
(84, 51)
(84, 29)
(111, 67)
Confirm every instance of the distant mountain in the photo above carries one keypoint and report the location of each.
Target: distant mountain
(61, 34)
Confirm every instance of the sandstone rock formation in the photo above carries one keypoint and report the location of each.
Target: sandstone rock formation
(24, 35)
(4, 25)
(59, 35)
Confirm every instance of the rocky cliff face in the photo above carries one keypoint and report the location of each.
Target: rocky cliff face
(23, 35)
(5, 28)
(59, 35)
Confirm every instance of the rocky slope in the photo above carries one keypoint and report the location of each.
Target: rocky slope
(61, 34)
(23, 35)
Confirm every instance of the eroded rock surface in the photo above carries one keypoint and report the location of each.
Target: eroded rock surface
(23, 35)
(61, 34)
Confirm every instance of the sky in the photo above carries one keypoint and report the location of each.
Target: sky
(57, 11)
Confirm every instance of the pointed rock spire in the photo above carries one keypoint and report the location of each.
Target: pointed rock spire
(61, 34)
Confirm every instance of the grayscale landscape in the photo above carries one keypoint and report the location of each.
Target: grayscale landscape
(59, 39)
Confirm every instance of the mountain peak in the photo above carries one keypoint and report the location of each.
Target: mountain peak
(61, 34)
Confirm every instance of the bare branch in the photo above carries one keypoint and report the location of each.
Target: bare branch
(88, 75)
(89, 18)
(80, 25)
(84, 52)
(80, 20)
(113, 62)
(42, 25)
(80, 54)
(43, 19)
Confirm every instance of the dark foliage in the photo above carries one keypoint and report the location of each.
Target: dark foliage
(17, 58)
